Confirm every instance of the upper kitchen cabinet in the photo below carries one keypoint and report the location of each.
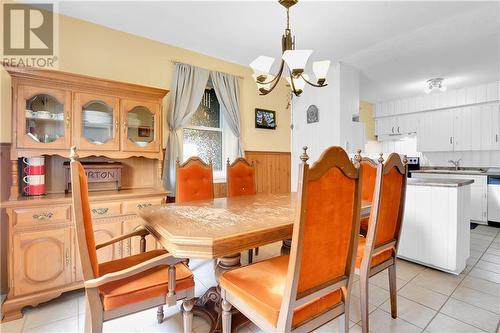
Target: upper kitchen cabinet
(490, 126)
(140, 126)
(43, 118)
(435, 131)
(96, 122)
(54, 110)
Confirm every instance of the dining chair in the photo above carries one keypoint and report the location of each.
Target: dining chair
(311, 286)
(377, 251)
(240, 180)
(369, 167)
(194, 180)
(124, 286)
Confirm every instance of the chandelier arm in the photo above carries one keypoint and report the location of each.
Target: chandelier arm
(276, 79)
(312, 84)
(293, 85)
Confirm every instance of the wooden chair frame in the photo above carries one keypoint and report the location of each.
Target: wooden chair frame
(366, 271)
(228, 181)
(332, 157)
(190, 161)
(95, 314)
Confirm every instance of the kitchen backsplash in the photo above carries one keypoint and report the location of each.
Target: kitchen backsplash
(408, 146)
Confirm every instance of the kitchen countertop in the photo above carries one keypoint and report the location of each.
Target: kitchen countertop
(466, 171)
(436, 182)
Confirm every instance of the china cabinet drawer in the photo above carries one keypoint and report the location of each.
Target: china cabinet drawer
(131, 207)
(105, 209)
(41, 215)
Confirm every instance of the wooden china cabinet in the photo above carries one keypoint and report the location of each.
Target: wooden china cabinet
(106, 121)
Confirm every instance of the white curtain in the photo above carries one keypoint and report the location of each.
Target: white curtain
(188, 88)
(228, 94)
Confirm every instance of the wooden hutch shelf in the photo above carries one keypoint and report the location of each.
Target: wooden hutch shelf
(53, 111)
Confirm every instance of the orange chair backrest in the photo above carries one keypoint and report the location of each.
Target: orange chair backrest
(369, 167)
(83, 221)
(194, 181)
(240, 178)
(391, 201)
(325, 230)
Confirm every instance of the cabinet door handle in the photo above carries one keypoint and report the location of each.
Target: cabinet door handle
(67, 258)
(392, 130)
(99, 211)
(398, 130)
(124, 127)
(451, 140)
(496, 137)
(116, 125)
(43, 216)
(68, 119)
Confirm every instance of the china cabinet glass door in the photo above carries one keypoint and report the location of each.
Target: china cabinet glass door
(140, 125)
(44, 118)
(96, 122)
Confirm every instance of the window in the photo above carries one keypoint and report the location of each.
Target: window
(208, 136)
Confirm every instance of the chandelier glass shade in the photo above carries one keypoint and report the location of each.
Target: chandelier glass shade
(295, 60)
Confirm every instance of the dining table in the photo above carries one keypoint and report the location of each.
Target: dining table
(221, 229)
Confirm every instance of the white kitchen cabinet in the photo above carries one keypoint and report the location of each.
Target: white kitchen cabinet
(435, 131)
(490, 126)
(478, 193)
(492, 92)
(436, 228)
(466, 129)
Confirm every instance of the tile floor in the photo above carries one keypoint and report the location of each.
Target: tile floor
(428, 300)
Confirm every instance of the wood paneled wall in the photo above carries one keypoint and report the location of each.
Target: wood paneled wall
(4, 195)
(272, 170)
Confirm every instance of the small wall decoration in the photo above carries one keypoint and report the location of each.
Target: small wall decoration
(265, 119)
(312, 114)
(144, 132)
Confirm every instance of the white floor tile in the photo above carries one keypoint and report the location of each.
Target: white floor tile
(471, 315)
(438, 281)
(55, 310)
(488, 266)
(382, 280)
(477, 298)
(491, 258)
(411, 311)
(481, 285)
(426, 297)
(486, 275)
(381, 321)
(376, 295)
(444, 324)
(355, 309)
(68, 325)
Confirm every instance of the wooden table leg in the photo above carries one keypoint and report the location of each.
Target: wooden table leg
(209, 305)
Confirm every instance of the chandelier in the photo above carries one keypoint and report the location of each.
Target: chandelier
(295, 60)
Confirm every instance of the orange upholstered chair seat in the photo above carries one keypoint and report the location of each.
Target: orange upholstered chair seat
(241, 180)
(261, 286)
(148, 284)
(194, 182)
(377, 258)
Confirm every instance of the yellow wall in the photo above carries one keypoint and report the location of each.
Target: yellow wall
(94, 50)
(366, 116)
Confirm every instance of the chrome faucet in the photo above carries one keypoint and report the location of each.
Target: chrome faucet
(456, 163)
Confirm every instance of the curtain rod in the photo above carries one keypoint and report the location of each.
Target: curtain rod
(180, 62)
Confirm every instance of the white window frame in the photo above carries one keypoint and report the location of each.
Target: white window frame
(229, 145)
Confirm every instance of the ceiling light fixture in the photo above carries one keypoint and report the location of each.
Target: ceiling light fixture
(295, 60)
(436, 84)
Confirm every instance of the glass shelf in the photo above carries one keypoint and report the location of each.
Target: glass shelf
(44, 118)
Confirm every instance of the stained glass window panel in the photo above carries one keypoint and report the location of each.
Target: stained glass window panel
(205, 144)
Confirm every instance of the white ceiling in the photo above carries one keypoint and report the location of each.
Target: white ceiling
(396, 45)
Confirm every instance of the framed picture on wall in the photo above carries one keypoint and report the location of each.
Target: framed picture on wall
(265, 119)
